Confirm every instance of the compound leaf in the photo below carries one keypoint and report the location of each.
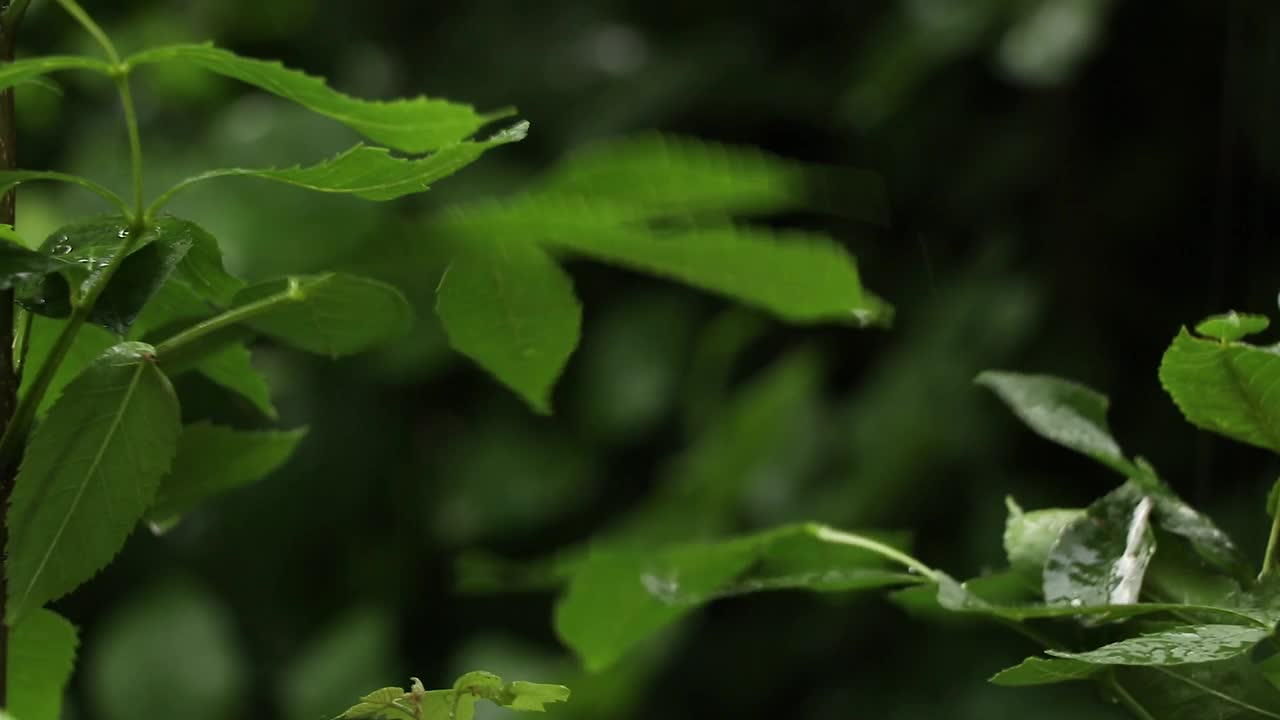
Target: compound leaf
(42, 652)
(90, 471)
(507, 305)
(414, 125)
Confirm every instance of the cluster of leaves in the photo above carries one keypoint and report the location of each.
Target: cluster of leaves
(1139, 592)
(113, 308)
(456, 703)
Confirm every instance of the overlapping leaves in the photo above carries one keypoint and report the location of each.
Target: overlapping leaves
(456, 703)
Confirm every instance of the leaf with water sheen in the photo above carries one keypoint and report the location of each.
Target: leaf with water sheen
(414, 125)
(508, 306)
(1044, 671)
(617, 597)
(372, 173)
(90, 471)
(1062, 411)
(1184, 645)
(1232, 326)
(1102, 558)
(1029, 536)
(213, 459)
(42, 653)
(86, 248)
(1226, 388)
(19, 264)
(1222, 690)
(1172, 514)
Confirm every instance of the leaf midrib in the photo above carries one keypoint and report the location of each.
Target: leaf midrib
(91, 471)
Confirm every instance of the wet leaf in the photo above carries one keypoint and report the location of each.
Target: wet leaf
(1044, 671)
(1177, 646)
(1101, 558)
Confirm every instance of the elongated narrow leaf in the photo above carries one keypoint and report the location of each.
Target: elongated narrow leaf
(619, 597)
(1045, 671)
(373, 173)
(665, 174)
(416, 125)
(89, 473)
(1226, 388)
(333, 314)
(1102, 558)
(1177, 646)
(1062, 411)
(42, 652)
(9, 179)
(19, 71)
(211, 460)
(507, 305)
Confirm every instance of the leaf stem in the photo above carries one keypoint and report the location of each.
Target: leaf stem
(74, 10)
(822, 532)
(1273, 543)
(135, 143)
(227, 319)
(1126, 699)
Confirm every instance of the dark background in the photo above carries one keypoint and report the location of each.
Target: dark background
(1072, 180)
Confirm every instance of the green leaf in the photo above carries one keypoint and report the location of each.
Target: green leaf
(1102, 558)
(1183, 645)
(200, 269)
(533, 697)
(665, 174)
(801, 277)
(87, 248)
(232, 368)
(143, 273)
(1028, 537)
(368, 172)
(1226, 689)
(1172, 514)
(211, 460)
(42, 652)
(414, 126)
(617, 597)
(18, 264)
(90, 342)
(457, 703)
(89, 473)
(332, 314)
(1062, 411)
(1225, 388)
(19, 71)
(507, 305)
(1232, 326)
(1044, 671)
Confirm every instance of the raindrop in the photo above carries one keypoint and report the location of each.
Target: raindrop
(61, 249)
(102, 264)
(124, 233)
(1076, 602)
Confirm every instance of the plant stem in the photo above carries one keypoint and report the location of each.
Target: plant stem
(1127, 700)
(1269, 558)
(82, 17)
(836, 536)
(228, 319)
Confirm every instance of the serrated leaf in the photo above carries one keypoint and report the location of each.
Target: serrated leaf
(666, 174)
(1102, 558)
(415, 125)
(1232, 326)
(369, 172)
(1225, 388)
(1183, 645)
(89, 473)
(617, 597)
(211, 460)
(17, 71)
(1029, 536)
(1062, 411)
(508, 306)
(42, 653)
(1044, 671)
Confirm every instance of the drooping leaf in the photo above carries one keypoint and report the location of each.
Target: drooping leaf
(42, 652)
(1062, 411)
(1183, 645)
(213, 459)
(89, 473)
(18, 71)
(1226, 388)
(1029, 536)
(1232, 326)
(617, 597)
(1044, 671)
(1102, 558)
(19, 264)
(369, 172)
(507, 305)
(414, 126)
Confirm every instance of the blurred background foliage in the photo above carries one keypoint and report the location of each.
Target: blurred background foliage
(1071, 180)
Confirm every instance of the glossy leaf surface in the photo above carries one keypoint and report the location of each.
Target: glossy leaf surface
(89, 473)
(1044, 671)
(1102, 558)
(1177, 646)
